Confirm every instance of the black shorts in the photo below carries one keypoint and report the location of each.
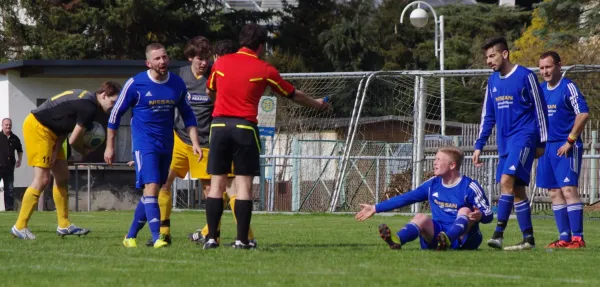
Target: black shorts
(233, 140)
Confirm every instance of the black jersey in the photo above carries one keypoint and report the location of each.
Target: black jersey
(62, 112)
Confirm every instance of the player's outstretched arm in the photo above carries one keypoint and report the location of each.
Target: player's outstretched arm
(418, 195)
(287, 90)
(366, 211)
(302, 99)
(126, 99)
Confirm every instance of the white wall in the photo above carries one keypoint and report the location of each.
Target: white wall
(22, 96)
(312, 144)
(4, 108)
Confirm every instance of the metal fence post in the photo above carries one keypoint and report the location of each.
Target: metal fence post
(89, 188)
(295, 175)
(490, 179)
(419, 125)
(377, 181)
(76, 188)
(593, 168)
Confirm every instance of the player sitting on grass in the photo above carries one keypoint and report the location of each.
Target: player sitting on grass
(44, 131)
(457, 202)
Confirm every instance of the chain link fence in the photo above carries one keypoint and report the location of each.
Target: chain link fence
(381, 138)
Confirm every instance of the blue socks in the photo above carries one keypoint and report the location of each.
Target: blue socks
(575, 215)
(523, 212)
(505, 205)
(152, 215)
(562, 221)
(458, 228)
(409, 233)
(139, 219)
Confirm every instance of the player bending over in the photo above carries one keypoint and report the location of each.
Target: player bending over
(44, 131)
(458, 205)
(558, 169)
(222, 48)
(153, 96)
(514, 104)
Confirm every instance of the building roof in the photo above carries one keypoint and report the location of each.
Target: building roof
(79, 68)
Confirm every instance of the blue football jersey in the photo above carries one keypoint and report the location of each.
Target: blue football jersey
(153, 106)
(565, 102)
(445, 201)
(515, 105)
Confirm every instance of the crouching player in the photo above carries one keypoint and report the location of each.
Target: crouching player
(44, 131)
(458, 205)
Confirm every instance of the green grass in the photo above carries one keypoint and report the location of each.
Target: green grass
(306, 250)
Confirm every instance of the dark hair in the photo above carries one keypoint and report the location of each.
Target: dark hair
(198, 46)
(153, 46)
(110, 88)
(499, 43)
(224, 47)
(252, 36)
(552, 54)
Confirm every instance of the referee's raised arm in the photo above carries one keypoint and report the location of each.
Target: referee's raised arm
(236, 83)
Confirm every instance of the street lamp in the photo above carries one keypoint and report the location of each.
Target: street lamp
(419, 18)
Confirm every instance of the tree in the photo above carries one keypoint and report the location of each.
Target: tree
(567, 21)
(348, 43)
(300, 27)
(115, 29)
(543, 35)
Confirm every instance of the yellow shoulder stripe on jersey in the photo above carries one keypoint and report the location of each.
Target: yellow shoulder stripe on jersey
(278, 86)
(212, 80)
(253, 131)
(247, 54)
(82, 94)
(61, 95)
(256, 79)
(220, 73)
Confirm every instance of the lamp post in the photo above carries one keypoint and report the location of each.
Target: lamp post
(419, 18)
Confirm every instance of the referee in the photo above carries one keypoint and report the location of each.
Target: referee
(236, 83)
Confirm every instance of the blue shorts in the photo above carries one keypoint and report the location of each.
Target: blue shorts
(151, 167)
(518, 162)
(470, 241)
(556, 172)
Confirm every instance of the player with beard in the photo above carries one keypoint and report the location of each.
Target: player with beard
(153, 96)
(514, 104)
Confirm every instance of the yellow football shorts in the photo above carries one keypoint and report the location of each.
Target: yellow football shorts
(184, 160)
(39, 143)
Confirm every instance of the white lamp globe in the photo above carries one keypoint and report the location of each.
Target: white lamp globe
(419, 18)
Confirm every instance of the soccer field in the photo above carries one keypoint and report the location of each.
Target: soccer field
(293, 250)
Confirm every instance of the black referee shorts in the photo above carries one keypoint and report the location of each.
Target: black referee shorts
(234, 140)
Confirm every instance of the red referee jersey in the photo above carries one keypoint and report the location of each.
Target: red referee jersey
(240, 79)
